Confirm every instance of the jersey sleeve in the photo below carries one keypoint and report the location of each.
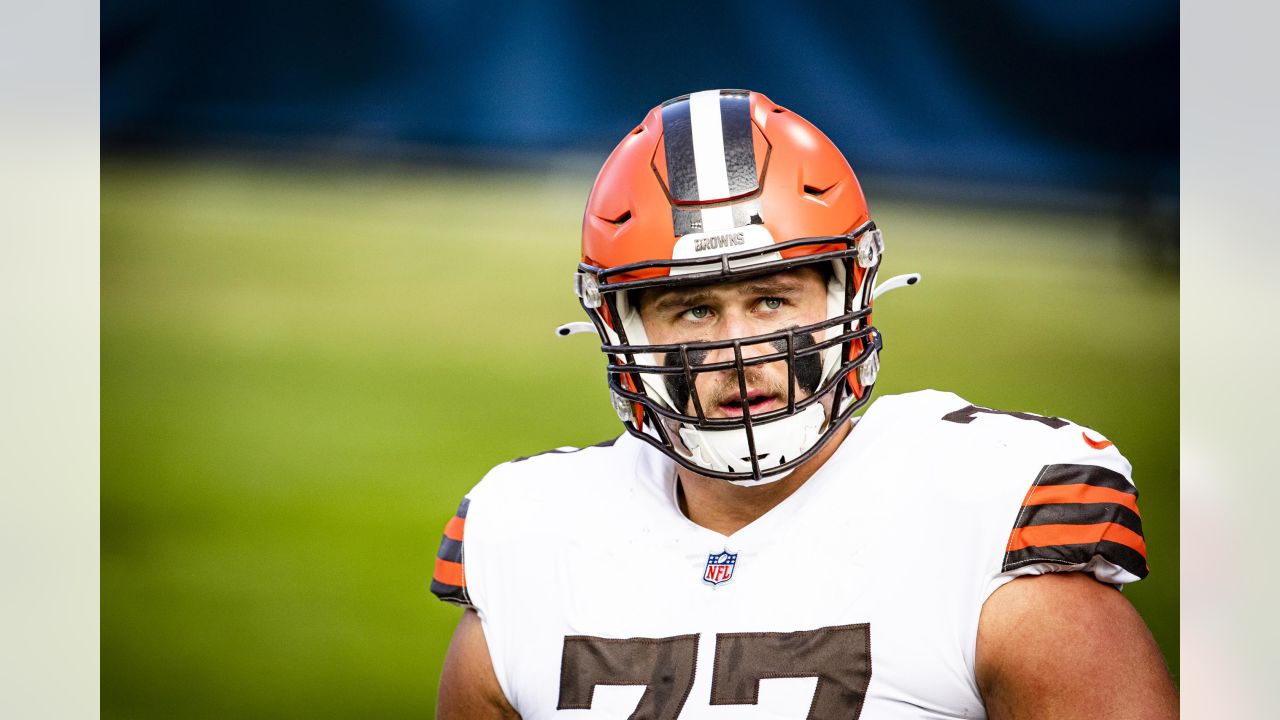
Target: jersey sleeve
(1055, 496)
(449, 580)
(1079, 515)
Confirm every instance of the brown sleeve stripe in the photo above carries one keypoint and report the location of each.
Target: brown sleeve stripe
(1049, 535)
(455, 594)
(1080, 514)
(450, 550)
(1074, 494)
(1114, 553)
(1073, 513)
(1095, 475)
(449, 581)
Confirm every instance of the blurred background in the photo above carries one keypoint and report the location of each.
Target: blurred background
(335, 241)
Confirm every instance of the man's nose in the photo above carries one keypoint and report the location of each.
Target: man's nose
(738, 324)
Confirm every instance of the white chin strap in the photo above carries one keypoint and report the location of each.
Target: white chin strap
(776, 443)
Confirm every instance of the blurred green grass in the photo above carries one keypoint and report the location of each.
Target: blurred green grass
(305, 366)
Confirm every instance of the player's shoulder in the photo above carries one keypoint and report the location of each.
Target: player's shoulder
(516, 507)
(546, 488)
(1049, 493)
(919, 407)
(562, 469)
(956, 427)
(981, 461)
(947, 409)
(916, 399)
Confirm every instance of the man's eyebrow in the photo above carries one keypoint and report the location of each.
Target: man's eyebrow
(678, 299)
(773, 286)
(673, 299)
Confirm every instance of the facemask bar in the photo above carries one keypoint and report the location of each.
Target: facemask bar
(838, 420)
(689, 369)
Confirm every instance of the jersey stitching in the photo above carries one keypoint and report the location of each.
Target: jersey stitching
(697, 638)
(1054, 561)
(640, 641)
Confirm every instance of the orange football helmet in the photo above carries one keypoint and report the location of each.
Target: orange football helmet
(718, 186)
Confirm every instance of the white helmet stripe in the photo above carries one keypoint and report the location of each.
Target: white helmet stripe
(708, 157)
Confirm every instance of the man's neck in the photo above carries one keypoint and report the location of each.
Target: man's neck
(726, 508)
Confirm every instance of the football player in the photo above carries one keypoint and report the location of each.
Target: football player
(761, 541)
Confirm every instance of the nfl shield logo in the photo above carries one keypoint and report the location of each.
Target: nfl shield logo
(720, 567)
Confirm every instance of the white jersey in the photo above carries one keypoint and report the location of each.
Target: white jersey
(858, 595)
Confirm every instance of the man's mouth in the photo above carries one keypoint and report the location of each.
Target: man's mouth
(757, 402)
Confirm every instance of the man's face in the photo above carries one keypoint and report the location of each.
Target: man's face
(737, 310)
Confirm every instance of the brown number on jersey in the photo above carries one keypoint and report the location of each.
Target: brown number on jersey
(839, 657)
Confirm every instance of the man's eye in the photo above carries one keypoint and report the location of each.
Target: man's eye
(697, 313)
(772, 303)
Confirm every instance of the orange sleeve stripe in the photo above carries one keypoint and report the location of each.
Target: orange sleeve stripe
(450, 573)
(1050, 535)
(1080, 493)
(453, 529)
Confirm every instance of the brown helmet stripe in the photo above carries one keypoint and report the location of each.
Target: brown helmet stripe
(739, 146)
(677, 139)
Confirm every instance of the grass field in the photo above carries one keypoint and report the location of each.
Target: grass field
(304, 369)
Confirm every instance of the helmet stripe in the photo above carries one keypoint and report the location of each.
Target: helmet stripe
(686, 220)
(708, 145)
(677, 138)
(739, 146)
(710, 156)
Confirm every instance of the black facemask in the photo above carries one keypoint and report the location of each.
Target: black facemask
(808, 369)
